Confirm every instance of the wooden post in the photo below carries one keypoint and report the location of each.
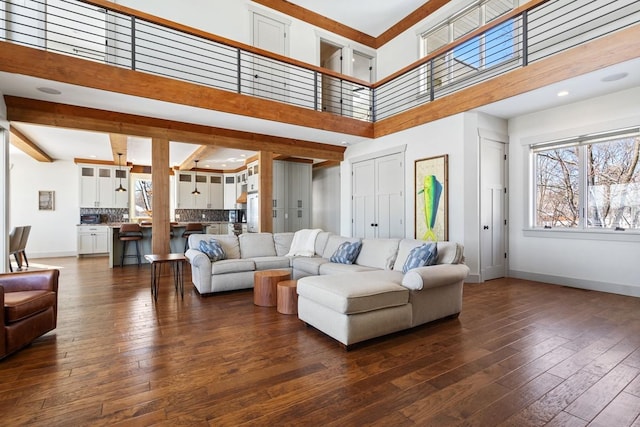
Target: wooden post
(160, 188)
(265, 192)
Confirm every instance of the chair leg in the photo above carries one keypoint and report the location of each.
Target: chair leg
(124, 251)
(138, 252)
(10, 266)
(24, 255)
(18, 261)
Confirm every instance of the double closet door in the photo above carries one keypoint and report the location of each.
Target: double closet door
(378, 198)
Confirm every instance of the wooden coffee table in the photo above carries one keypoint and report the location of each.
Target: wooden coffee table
(265, 286)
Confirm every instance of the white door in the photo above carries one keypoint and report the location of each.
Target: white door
(66, 34)
(269, 76)
(390, 202)
(492, 210)
(364, 199)
(331, 86)
(360, 97)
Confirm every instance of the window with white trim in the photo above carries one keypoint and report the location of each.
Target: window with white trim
(485, 51)
(589, 182)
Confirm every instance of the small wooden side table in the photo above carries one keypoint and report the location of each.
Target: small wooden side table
(177, 263)
(288, 297)
(265, 286)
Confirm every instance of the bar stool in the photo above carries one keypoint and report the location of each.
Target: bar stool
(171, 233)
(130, 232)
(191, 228)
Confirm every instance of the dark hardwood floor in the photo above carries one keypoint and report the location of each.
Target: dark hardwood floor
(520, 354)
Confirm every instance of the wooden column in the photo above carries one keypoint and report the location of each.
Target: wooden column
(160, 202)
(265, 192)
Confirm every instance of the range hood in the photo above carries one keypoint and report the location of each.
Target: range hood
(242, 198)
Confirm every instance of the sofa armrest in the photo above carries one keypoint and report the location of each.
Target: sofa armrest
(44, 280)
(434, 276)
(198, 259)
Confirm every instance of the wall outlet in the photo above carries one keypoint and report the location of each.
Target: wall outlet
(203, 216)
(125, 216)
(178, 216)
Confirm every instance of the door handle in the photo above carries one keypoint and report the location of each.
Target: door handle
(486, 227)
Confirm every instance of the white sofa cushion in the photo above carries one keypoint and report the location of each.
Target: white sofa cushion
(333, 242)
(378, 253)
(253, 245)
(448, 252)
(282, 242)
(355, 292)
(308, 265)
(229, 243)
(232, 266)
(337, 268)
(271, 262)
(321, 241)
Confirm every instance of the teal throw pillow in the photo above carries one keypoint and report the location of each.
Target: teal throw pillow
(346, 253)
(213, 249)
(421, 256)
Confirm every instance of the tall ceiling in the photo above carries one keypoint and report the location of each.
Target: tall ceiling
(372, 17)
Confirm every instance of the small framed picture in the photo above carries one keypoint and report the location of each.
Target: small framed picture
(46, 200)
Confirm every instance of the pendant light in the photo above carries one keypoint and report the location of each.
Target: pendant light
(195, 189)
(120, 189)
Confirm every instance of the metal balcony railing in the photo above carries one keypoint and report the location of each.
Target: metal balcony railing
(121, 39)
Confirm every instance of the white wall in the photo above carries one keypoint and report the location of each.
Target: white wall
(326, 199)
(456, 136)
(53, 233)
(577, 260)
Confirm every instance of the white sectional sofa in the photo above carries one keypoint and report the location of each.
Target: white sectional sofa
(349, 302)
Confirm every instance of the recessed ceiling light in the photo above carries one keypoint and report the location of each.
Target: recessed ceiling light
(224, 165)
(614, 77)
(49, 90)
(563, 93)
(93, 156)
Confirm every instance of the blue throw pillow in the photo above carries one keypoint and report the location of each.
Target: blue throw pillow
(421, 256)
(346, 253)
(213, 249)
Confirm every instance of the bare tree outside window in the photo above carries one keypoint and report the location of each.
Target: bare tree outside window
(609, 172)
(143, 194)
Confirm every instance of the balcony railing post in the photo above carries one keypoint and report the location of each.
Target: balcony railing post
(525, 38)
(239, 70)
(133, 42)
(432, 89)
(372, 107)
(315, 91)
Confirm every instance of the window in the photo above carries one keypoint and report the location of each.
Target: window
(142, 195)
(492, 48)
(590, 182)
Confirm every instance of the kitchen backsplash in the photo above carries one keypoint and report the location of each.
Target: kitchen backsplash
(182, 215)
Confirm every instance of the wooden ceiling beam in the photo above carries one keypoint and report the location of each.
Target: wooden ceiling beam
(74, 117)
(118, 146)
(27, 146)
(200, 153)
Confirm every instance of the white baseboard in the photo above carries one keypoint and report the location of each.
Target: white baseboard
(614, 288)
(37, 255)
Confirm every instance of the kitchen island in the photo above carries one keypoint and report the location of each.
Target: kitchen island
(177, 242)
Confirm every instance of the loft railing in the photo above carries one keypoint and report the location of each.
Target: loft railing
(115, 35)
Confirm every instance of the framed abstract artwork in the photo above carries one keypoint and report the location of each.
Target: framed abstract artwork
(431, 199)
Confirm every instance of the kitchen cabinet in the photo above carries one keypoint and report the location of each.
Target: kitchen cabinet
(279, 191)
(213, 229)
(98, 185)
(253, 181)
(230, 193)
(215, 191)
(93, 239)
(209, 185)
(291, 204)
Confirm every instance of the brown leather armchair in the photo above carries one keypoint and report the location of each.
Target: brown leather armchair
(30, 308)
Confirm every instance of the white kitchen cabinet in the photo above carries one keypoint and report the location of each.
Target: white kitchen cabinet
(93, 239)
(230, 194)
(215, 191)
(253, 181)
(184, 187)
(98, 185)
(213, 229)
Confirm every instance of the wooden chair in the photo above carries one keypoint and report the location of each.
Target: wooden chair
(30, 308)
